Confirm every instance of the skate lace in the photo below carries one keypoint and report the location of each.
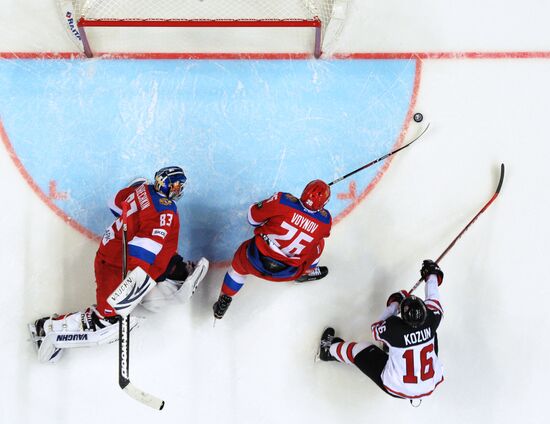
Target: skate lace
(223, 302)
(315, 272)
(325, 344)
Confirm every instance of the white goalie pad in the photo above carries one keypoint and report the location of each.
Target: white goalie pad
(198, 274)
(131, 291)
(167, 291)
(68, 332)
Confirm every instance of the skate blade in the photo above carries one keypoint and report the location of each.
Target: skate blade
(317, 357)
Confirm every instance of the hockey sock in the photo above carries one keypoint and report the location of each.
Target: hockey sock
(346, 351)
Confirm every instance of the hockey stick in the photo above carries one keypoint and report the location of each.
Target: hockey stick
(124, 335)
(449, 247)
(381, 158)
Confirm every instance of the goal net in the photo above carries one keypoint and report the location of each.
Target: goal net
(313, 14)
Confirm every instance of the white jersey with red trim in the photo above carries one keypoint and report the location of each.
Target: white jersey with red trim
(413, 369)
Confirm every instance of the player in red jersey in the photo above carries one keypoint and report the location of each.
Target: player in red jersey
(288, 241)
(411, 368)
(152, 234)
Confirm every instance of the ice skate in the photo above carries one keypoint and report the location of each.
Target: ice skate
(327, 339)
(313, 274)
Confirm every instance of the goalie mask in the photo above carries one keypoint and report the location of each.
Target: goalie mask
(315, 195)
(413, 311)
(170, 182)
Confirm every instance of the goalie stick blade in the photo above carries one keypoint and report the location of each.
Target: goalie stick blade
(145, 398)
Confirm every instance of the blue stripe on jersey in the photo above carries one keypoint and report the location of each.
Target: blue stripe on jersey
(298, 206)
(232, 284)
(255, 258)
(141, 253)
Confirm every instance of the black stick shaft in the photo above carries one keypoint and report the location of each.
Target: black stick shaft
(380, 158)
(124, 322)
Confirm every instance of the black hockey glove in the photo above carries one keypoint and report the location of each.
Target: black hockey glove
(397, 297)
(429, 267)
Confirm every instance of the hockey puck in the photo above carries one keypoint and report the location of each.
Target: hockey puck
(418, 117)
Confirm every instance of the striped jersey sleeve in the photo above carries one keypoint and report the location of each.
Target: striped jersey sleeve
(433, 301)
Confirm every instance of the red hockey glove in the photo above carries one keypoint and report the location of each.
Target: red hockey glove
(397, 297)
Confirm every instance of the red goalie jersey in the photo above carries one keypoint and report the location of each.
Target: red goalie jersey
(153, 230)
(287, 231)
(152, 236)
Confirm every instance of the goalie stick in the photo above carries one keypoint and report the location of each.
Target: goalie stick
(337, 180)
(483, 209)
(124, 336)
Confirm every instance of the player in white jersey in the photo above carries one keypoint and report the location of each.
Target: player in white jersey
(411, 368)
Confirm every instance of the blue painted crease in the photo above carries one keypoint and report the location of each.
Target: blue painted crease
(241, 129)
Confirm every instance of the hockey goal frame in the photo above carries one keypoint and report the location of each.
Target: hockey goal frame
(315, 23)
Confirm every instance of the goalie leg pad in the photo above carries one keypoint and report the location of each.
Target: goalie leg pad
(198, 274)
(131, 291)
(165, 292)
(79, 329)
(161, 295)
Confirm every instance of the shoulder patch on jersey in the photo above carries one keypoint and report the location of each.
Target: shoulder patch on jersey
(260, 204)
(292, 198)
(161, 203)
(323, 212)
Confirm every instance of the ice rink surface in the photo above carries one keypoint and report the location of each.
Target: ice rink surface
(256, 365)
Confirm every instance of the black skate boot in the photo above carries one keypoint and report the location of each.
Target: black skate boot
(327, 339)
(313, 274)
(220, 307)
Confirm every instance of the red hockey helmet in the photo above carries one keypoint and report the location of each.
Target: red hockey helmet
(315, 195)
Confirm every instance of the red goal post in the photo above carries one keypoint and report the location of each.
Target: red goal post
(314, 14)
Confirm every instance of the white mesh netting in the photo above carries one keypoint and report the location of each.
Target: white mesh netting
(204, 9)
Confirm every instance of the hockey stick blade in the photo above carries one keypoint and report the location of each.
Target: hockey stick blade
(483, 209)
(382, 157)
(145, 398)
